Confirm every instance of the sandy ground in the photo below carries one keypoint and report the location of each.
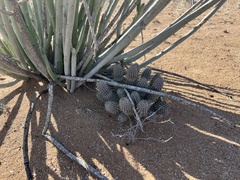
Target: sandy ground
(201, 146)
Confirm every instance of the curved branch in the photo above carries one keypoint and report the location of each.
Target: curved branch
(49, 110)
(74, 158)
(25, 135)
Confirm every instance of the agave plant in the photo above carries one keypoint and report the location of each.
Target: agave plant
(80, 38)
(68, 40)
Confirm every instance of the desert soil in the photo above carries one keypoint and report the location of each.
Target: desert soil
(200, 146)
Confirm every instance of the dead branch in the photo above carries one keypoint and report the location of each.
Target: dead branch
(129, 97)
(128, 134)
(194, 81)
(25, 135)
(181, 100)
(60, 146)
(74, 158)
(139, 122)
(49, 110)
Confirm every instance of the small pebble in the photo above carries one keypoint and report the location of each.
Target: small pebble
(226, 31)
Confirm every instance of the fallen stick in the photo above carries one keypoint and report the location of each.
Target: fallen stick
(181, 100)
(25, 135)
(60, 146)
(74, 158)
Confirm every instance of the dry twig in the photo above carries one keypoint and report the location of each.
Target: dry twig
(139, 122)
(194, 81)
(74, 158)
(25, 135)
(49, 110)
(181, 100)
(60, 146)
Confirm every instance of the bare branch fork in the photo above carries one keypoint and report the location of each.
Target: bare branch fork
(25, 135)
(181, 100)
(132, 131)
(51, 139)
(146, 139)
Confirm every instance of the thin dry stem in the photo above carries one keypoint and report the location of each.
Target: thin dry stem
(139, 122)
(181, 100)
(49, 110)
(25, 135)
(60, 146)
(194, 81)
(74, 158)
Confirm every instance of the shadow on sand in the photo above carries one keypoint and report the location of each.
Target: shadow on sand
(201, 147)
